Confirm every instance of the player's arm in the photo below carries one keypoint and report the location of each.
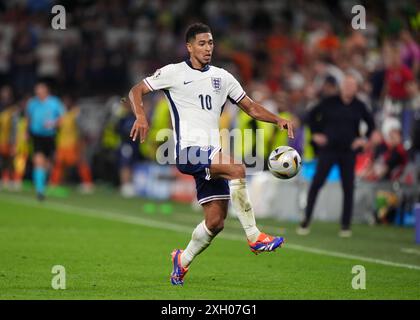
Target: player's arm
(368, 118)
(161, 79)
(59, 111)
(315, 121)
(258, 112)
(140, 126)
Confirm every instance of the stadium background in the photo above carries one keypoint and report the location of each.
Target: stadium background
(285, 54)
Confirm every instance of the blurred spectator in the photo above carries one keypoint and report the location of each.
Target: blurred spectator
(335, 125)
(116, 72)
(23, 63)
(6, 97)
(328, 42)
(376, 83)
(128, 151)
(397, 77)
(70, 148)
(365, 160)
(96, 62)
(7, 110)
(416, 142)
(5, 57)
(386, 164)
(329, 88)
(20, 144)
(356, 43)
(384, 158)
(394, 159)
(386, 206)
(410, 52)
(71, 66)
(415, 131)
(325, 69)
(48, 58)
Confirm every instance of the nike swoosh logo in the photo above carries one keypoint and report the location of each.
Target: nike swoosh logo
(187, 82)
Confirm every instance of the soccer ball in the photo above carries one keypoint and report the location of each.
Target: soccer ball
(284, 162)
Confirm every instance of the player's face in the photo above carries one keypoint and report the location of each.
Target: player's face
(41, 91)
(201, 48)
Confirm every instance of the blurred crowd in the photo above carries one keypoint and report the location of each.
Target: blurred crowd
(287, 54)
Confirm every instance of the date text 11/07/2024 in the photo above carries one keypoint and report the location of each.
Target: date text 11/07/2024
(226, 309)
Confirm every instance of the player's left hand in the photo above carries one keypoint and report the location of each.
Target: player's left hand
(286, 124)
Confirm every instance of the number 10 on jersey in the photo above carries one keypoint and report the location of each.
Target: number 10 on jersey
(205, 101)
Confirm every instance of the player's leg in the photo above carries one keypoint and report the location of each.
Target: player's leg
(325, 162)
(346, 165)
(58, 167)
(213, 195)
(85, 176)
(39, 174)
(215, 213)
(224, 166)
(19, 166)
(44, 148)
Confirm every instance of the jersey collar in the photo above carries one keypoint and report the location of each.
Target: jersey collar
(204, 69)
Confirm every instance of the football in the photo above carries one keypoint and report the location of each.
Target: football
(284, 162)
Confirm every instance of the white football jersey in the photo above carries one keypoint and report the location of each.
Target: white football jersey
(196, 99)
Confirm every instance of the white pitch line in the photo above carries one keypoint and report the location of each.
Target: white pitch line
(108, 215)
(410, 251)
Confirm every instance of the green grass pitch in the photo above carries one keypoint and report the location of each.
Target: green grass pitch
(114, 248)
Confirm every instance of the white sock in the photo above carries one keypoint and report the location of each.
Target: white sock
(242, 206)
(200, 240)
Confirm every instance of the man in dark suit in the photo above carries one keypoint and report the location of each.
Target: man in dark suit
(334, 123)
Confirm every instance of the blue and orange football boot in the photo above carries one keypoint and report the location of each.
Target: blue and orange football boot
(178, 272)
(265, 243)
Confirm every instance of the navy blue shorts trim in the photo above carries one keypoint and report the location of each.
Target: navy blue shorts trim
(196, 161)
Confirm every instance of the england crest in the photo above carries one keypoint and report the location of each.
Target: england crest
(216, 83)
(157, 74)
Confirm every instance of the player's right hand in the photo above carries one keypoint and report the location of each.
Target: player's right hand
(140, 128)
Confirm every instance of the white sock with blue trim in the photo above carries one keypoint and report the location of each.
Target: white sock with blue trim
(200, 240)
(243, 208)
